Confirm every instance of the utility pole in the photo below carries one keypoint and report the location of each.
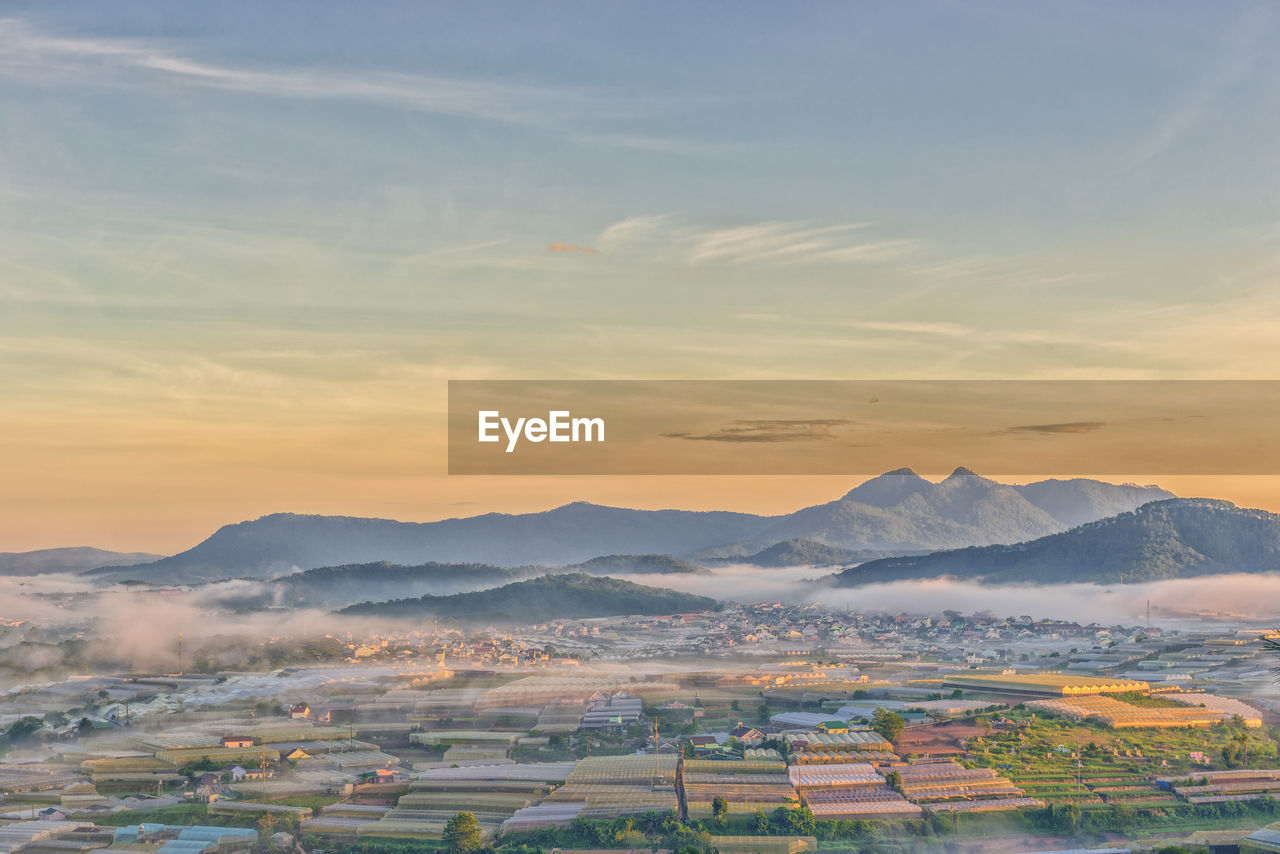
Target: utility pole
(179, 653)
(657, 754)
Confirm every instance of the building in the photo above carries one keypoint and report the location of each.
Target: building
(197, 839)
(1047, 684)
(618, 713)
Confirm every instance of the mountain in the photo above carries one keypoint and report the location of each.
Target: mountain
(889, 489)
(1174, 538)
(563, 596)
(963, 510)
(895, 513)
(73, 559)
(1079, 500)
(284, 543)
(799, 552)
(635, 565)
(335, 586)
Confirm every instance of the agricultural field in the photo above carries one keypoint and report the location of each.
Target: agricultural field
(1059, 761)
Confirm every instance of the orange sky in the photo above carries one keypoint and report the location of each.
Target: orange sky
(239, 262)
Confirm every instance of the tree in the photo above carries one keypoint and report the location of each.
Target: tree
(888, 724)
(794, 821)
(462, 834)
(719, 806)
(1064, 817)
(23, 728)
(762, 823)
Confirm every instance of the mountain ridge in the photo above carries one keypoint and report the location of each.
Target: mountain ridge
(557, 596)
(964, 509)
(65, 559)
(1170, 538)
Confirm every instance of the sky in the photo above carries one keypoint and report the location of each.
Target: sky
(244, 245)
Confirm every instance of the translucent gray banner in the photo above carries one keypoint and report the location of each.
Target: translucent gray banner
(997, 427)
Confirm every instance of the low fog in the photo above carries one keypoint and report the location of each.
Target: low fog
(1242, 596)
(137, 627)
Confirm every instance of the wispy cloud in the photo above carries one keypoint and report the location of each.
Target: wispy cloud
(24, 49)
(769, 430)
(571, 248)
(943, 329)
(633, 228)
(1241, 48)
(787, 242)
(950, 330)
(765, 242)
(1065, 427)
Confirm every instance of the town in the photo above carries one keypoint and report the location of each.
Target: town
(758, 728)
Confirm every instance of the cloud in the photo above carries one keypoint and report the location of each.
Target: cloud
(771, 242)
(943, 329)
(633, 228)
(1180, 603)
(1065, 427)
(769, 430)
(788, 243)
(1239, 53)
(569, 247)
(29, 51)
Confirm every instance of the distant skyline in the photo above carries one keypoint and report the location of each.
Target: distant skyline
(244, 245)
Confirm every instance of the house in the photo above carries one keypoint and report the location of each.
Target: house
(207, 794)
(294, 754)
(704, 742)
(748, 735)
(300, 711)
(237, 773)
(237, 741)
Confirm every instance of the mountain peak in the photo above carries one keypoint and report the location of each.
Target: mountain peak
(962, 471)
